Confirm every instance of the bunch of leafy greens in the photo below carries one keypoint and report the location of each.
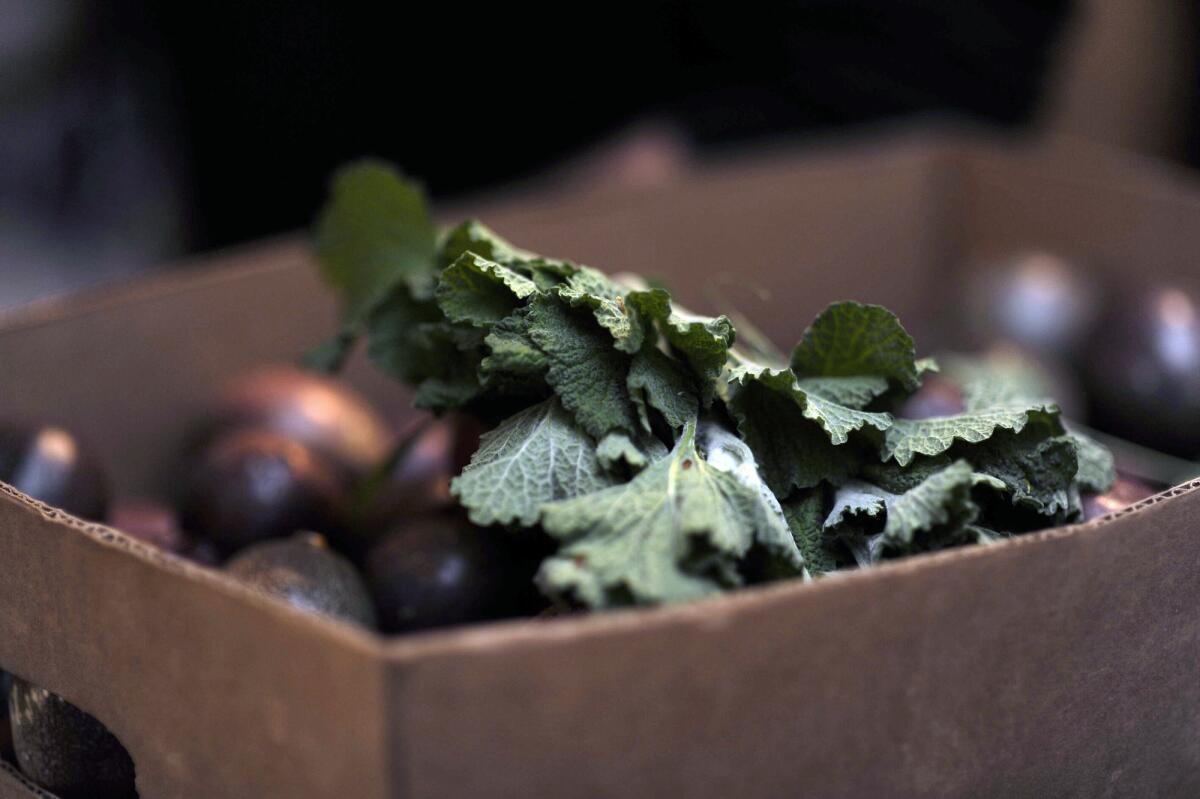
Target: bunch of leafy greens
(664, 462)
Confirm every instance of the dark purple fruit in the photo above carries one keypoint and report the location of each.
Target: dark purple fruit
(419, 482)
(51, 465)
(150, 522)
(157, 524)
(65, 750)
(940, 396)
(1143, 373)
(467, 431)
(1038, 301)
(936, 397)
(254, 485)
(310, 576)
(438, 570)
(1125, 492)
(325, 415)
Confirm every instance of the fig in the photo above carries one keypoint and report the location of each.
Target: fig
(307, 574)
(65, 750)
(1038, 301)
(324, 414)
(418, 480)
(439, 569)
(1124, 492)
(1143, 371)
(157, 524)
(50, 464)
(150, 522)
(254, 485)
(936, 397)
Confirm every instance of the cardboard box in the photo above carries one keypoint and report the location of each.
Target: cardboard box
(1058, 664)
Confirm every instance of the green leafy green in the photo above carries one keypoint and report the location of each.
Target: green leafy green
(593, 289)
(374, 233)
(1036, 471)
(792, 451)
(412, 341)
(999, 378)
(727, 453)
(1097, 472)
(513, 363)
(838, 420)
(588, 375)
(657, 382)
(942, 501)
(852, 392)
(536, 456)
(658, 458)
(907, 438)
(475, 237)
(480, 292)
(661, 537)
(702, 341)
(932, 514)
(617, 451)
(805, 518)
(857, 498)
(850, 339)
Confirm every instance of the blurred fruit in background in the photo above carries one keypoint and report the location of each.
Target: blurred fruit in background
(322, 413)
(51, 465)
(936, 397)
(1021, 373)
(255, 484)
(156, 523)
(1125, 492)
(1121, 357)
(1143, 367)
(1037, 301)
(415, 480)
(307, 574)
(439, 569)
(150, 522)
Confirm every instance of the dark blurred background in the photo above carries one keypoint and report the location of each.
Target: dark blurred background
(133, 132)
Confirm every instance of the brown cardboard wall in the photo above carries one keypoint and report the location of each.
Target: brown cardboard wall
(1131, 217)
(1062, 664)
